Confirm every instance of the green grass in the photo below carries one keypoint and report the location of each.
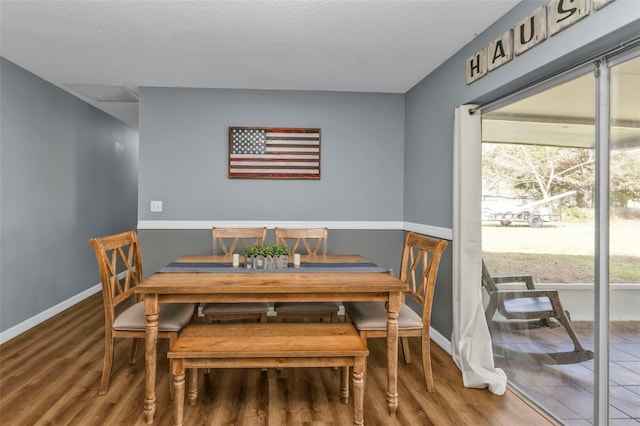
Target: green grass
(561, 252)
(561, 268)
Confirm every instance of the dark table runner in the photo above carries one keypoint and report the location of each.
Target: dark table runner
(305, 267)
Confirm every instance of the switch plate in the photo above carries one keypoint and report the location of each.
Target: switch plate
(156, 206)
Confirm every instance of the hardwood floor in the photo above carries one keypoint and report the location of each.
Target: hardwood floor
(566, 391)
(51, 374)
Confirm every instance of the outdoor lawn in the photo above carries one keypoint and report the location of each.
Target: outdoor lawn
(561, 252)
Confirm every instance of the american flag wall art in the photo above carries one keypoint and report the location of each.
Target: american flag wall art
(274, 153)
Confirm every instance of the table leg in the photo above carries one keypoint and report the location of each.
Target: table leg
(393, 307)
(151, 310)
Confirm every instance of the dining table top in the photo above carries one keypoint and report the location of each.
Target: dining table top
(310, 277)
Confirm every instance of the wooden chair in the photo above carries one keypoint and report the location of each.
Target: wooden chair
(120, 268)
(228, 241)
(526, 309)
(419, 269)
(313, 242)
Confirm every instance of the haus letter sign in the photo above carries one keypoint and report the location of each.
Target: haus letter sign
(545, 21)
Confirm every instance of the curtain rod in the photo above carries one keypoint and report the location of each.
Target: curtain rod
(592, 59)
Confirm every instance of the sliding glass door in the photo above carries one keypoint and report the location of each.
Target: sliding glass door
(561, 203)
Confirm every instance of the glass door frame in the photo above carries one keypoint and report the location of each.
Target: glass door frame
(601, 282)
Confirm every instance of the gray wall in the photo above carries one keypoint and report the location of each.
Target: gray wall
(68, 172)
(430, 106)
(184, 155)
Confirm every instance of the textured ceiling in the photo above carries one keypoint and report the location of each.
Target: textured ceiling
(369, 46)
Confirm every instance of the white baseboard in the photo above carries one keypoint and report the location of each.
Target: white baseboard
(440, 340)
(25, 325)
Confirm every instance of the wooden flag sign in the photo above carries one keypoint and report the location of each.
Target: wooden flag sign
(274, 153)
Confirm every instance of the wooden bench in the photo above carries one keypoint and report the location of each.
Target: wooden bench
(270, 345)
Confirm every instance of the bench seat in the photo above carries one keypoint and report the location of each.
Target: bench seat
(270, 345)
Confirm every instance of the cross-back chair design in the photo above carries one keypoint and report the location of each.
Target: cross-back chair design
(525, 309)
(231, 240)
(228, 241)
(313, 242)
(419, 269)
(120, 268)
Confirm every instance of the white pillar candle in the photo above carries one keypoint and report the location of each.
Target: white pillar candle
(236, 260)
(296, 260)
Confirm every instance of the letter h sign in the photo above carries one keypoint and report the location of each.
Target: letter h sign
(476, 65)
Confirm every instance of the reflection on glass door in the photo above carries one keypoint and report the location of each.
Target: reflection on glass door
(538, 244)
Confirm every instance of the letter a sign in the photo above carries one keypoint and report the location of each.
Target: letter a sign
(500, 51)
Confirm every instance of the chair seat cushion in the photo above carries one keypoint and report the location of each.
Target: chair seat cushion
(235, 308)
(373, 316)
(306, 307)
(173, 317)
(528, 304)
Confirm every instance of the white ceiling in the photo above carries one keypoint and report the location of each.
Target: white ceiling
(335, 45)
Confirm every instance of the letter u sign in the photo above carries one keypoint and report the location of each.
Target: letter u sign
(530, 31)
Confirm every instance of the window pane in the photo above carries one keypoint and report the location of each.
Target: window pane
(624, 261)
(538, 220)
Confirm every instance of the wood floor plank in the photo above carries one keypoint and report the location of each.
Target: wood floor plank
(51, 375)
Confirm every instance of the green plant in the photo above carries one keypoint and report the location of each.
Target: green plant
(574, 214)
(281, 250)
(268, 250)
(252, 251)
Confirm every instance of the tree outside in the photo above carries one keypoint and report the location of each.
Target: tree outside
(561, 251)
(539, 172)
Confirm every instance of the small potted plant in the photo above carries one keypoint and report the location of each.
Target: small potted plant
(281, 252)
(266, 257)
(250, 254)
(269, 259)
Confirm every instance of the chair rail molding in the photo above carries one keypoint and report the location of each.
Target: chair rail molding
(435, 231)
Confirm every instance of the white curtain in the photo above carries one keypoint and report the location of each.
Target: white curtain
(470, 339)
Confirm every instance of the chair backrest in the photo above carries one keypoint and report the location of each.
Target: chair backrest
(120, 268)
(419, 269)
(228, 239)
(313, 240)
(487, 280)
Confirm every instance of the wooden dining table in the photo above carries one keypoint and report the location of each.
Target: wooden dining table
(202, 279)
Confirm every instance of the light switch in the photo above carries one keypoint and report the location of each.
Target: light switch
(156, 206)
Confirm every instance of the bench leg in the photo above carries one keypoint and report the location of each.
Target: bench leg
(192, 389)
(358, 390)
(177, 369)
(344, 385)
